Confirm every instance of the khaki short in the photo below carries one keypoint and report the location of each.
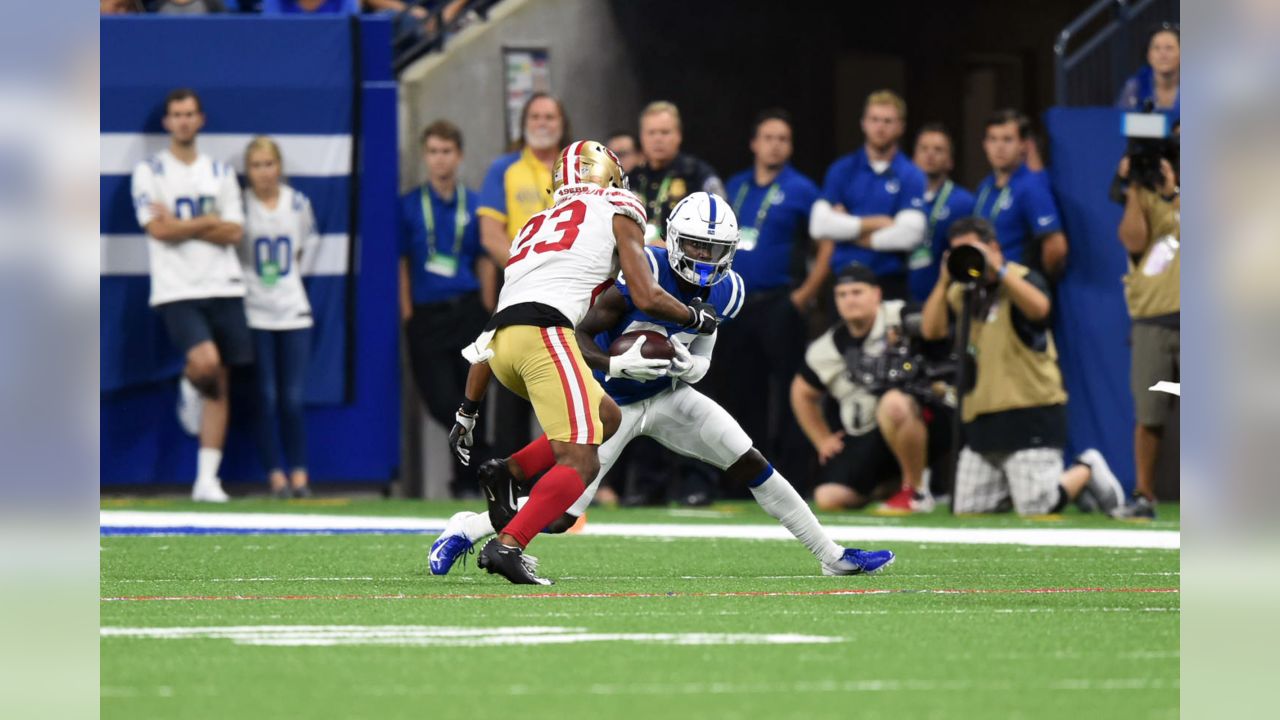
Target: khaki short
(1155, 358)
(545, 366)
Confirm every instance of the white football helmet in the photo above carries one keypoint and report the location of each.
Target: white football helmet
(702, 236)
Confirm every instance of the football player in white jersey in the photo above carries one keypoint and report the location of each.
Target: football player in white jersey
(559, 264)
(280, 229)
(658, 400)
(189, 205)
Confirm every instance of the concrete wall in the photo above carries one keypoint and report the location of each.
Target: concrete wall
(589, 72)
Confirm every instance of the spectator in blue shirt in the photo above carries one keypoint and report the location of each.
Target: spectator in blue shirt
(944, 201)
(763, 348)
(447, 282)
(1017, 202)
(1157, 82)
(871, 208)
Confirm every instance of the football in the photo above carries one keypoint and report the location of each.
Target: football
(656, 345)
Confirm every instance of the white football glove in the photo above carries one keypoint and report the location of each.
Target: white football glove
(634, 366)
(687, 366)
(461, 436)
(479, 351)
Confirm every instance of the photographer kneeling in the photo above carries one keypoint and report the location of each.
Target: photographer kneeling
(868, 365)
(1015, 419)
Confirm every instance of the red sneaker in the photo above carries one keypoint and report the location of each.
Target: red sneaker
(905, 502)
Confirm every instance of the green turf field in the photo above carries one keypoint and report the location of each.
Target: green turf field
(634, 627)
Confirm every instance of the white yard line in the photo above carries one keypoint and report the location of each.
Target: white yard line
(187, 523)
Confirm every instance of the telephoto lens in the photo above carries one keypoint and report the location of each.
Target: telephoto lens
(966, 264)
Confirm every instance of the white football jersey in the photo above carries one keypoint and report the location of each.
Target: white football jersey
(275, 240)
(189, 269)
(566, 256)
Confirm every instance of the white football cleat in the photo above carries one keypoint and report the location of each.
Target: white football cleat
(210, 491)
(190, 406)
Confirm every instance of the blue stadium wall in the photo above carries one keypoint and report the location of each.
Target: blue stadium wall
(323, 88)
(1092, 320)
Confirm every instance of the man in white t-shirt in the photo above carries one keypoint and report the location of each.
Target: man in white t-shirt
(190, 207)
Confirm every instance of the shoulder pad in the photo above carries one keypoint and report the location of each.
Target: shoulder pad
(625, 203)
(735, 290)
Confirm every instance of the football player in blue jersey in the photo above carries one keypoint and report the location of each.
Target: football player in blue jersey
(657, 398)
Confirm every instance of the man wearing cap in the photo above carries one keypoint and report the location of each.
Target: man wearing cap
(884, 440)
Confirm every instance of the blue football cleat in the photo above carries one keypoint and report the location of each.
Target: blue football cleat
(859, 562)
(451, 545)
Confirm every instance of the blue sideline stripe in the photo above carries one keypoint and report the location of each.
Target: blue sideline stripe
(125, 531)
(330, 198)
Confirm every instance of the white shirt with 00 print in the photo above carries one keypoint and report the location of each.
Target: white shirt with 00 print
(275, 240)
(189, 269)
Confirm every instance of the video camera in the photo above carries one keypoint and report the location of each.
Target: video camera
(1150, 140)
(920, 369)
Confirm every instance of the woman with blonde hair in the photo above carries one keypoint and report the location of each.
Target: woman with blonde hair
(279, 224)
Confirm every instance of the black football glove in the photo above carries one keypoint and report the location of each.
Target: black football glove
(702, 318)
(461, 437)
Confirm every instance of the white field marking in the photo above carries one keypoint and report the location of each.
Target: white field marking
(694, 513)
(464, 578)
(1041, 537)
(435, 636)
(774, 688)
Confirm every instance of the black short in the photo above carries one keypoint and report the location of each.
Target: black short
(867, 461)
(222, 320)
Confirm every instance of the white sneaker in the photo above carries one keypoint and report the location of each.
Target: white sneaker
(1106, 490)
(210, 491)
(190, 406)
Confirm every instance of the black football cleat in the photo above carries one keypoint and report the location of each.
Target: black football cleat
(509, 562)
(499, 488)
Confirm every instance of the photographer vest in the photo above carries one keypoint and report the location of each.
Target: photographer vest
(1010, 375)
(1152, 286)
(827, 360)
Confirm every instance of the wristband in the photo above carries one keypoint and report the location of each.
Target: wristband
(693, 317)
(1004, 270)
(469, 406)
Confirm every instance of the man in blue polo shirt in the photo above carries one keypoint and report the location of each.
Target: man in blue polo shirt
(871, 209)
(447, 282)
(944, 202)
(1017, 202)
(763, 351)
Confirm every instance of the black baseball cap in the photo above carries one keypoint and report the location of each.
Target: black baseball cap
(857, 273)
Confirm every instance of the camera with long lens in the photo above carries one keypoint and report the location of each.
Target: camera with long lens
(1150, 140)
(966, 264)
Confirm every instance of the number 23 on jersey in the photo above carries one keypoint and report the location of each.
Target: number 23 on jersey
(574, 213)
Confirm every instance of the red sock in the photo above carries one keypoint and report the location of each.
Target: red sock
(551, 497)
(535, 457)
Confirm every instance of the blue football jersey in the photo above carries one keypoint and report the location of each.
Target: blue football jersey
(726, 296)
